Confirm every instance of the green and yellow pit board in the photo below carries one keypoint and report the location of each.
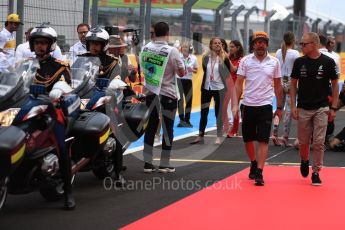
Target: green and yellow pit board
(162, 4)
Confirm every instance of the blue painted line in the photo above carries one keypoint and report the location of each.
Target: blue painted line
(194, 120)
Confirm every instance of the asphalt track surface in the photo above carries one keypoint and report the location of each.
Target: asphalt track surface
(100, 206)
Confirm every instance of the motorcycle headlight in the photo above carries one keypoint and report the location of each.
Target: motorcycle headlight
(7, 116)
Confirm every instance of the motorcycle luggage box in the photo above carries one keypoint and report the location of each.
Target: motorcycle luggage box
(90, 123)
(12, 147)
(135, 117)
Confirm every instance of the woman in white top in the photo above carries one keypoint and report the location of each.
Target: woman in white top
(216, 67)
(286, 56)
(185, 84)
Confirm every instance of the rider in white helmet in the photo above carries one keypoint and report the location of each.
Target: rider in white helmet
(55, 75)
(96, 45)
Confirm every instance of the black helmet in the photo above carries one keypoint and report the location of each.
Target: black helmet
(98, 35)
(43, 31)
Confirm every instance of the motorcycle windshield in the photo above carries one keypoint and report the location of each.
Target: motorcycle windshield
(23, 72)
(84, 70)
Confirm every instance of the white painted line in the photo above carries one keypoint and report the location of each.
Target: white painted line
(279, 153)
(180, 137)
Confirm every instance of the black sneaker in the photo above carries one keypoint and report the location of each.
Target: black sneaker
(259, 179)
(253, 167)
(149, 168)
(315, 179)
(181, 124)
(164, 169)
(188, 124)
(304, 168)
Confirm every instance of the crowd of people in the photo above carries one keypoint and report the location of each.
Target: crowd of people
(169, 89)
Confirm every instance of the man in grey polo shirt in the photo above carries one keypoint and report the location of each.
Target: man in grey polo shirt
(260, 70)
(160, 63)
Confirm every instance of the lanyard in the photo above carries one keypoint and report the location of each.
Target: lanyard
(212, 68)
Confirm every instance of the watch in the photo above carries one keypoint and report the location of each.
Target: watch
(280, 108)
(335, 109)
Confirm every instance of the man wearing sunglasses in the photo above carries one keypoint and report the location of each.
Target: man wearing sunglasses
(313, 72)
(259, 70)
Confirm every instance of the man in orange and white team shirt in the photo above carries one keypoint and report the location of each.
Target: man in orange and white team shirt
(7, 41)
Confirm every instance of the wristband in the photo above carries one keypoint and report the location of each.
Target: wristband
(335, 109)
(280, 108)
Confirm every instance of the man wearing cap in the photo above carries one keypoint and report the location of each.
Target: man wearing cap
(259, 70)
(117, 49)
(7, 41)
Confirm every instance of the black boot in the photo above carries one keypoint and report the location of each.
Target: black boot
(119, 180)
(69, 202)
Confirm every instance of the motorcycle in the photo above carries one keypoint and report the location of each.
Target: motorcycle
(128, 120)
(13, 89)
(31, 144)
(84, 71)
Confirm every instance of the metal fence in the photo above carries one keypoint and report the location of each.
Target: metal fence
(65, 15)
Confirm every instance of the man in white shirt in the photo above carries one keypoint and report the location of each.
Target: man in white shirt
(80, 47)
(8, 42)
(336, 58)
(324, 50)
(23, 50)
(260, 70)
(330, 47)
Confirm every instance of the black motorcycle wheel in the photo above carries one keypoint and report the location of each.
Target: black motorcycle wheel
(3, 192)
(104, 168)
(51, 194)
(54, 193)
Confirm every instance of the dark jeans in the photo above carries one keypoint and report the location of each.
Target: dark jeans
(165, 106)
(206, 97)
(186, 89)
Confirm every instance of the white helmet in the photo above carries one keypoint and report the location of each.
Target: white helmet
(43, 31)
(98, 35)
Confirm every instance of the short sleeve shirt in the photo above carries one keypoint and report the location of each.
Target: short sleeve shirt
(259, 77)
(313, 77)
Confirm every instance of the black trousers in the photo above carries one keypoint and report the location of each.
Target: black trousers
(64, 157)
(186, 89)
(166, 107)
(206, 97)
